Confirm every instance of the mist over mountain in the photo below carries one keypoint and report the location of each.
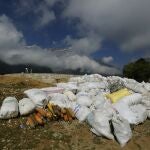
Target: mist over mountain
(8, 69)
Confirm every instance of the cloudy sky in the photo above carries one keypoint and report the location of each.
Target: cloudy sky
(72, 34)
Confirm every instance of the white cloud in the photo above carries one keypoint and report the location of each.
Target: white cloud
(123, 21)
(147, 54)
(45, 16)
(137, 42)
(42, 11)
(51, 2)
(84, 45)
(9, 36)
(36, 55)
(108, 59)
(18, 52)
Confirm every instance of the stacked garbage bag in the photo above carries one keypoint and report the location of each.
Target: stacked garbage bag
(108, 104)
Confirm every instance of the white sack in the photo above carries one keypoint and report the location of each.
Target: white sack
(9, 108)
(70, 86)
(93, 92)
(60, 100)
(37, 96)
(50, 90)
(99, 121)
(81, 112)
(95, 132)
(132, 113)
(146, 100)
(136, 87)
(90, 118)
(99, 101)
(26, 106)
(84, 100)
(94, 85)
(77, 79)
(122, 129)
(147, 86)
(140, 111)
(125, 112)
(132, 99)
(70, 95)
(82, 94)
(146, 103)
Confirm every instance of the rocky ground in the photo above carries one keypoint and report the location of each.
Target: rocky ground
(14, 134)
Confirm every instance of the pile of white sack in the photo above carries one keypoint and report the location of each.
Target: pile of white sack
(86, 95)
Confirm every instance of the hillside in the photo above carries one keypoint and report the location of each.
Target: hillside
(6, 68)
(138, 70)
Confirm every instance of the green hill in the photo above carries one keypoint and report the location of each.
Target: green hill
(138, 70)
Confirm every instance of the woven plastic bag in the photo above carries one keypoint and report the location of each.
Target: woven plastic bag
(38, 96)
(26, 106)
(122, 129)
(114, 97)
(9, 108)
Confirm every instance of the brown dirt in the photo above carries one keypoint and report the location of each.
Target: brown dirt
(57, 134)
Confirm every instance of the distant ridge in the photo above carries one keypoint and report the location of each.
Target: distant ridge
(7, 68)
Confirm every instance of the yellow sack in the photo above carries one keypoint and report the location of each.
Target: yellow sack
(114, 97)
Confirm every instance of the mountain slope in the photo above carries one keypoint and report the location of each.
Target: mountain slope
(6, 68)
